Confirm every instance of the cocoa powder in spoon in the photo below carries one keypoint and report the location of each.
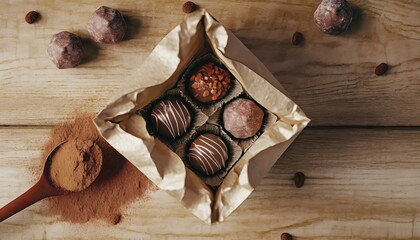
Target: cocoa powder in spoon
(76, 164)
(119, 183)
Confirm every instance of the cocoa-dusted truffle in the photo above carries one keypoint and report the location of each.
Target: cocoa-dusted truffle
(170, 118)
(333, 16)
(107, 25)
(65, 50)
(242, 118)
(209, 83)
(208, 154)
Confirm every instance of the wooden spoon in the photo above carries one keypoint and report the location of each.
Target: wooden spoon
(42, 189)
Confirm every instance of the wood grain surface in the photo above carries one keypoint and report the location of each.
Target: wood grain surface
(362, 184)
(331, 77)
(361, 152)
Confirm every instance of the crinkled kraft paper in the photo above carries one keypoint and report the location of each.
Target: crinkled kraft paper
(126, 131)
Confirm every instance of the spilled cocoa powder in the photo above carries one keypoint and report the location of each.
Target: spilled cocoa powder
(119, 183)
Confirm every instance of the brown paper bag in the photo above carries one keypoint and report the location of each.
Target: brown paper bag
(126, 130)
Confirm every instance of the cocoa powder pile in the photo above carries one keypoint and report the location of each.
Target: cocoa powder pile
(76, 164)
(118, 184)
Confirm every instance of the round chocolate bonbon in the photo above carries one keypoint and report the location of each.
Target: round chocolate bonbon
(209, 83)
(208, 154)
(242, 118)
(170, 118)
(333, 16)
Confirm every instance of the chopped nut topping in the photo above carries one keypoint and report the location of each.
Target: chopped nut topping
(211, 80)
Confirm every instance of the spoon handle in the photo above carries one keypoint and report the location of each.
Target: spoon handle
(37, 192)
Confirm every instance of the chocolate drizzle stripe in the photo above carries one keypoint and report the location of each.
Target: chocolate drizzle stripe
(165, 119)
(202, 163)
(174, 111)
(184, 118)
(211, 154)
(223, 148)
(172, 107)
(202, 155)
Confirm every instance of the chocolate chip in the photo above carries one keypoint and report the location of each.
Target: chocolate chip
(31, 17)
(381, 69)
(189, 7)
(297, 38)
(286, 236)
(299, 179)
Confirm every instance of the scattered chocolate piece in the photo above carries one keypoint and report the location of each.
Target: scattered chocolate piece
(333, 16)
(65, 50)
(107, 25)
(171, 118)
(189, 7)
(286, 236)
(381, 69)
(208, 154)
(299, 179)
(242, 118)
(297, 38)
(32, 17)
(116, 218)
(209, 83)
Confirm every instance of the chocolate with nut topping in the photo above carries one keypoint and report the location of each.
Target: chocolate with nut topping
(209, 83)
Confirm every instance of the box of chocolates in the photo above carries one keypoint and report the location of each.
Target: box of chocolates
(205, 121)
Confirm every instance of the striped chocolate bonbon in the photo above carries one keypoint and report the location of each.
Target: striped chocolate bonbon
(171, 118)
(208, 154)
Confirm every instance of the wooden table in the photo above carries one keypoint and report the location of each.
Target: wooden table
(361, 152)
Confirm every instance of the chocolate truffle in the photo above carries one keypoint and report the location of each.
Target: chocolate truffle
(171, 118)
(107, 25)
(208, 154)
(333, 16)
(242, 118)
(65, 50)
(209, 83)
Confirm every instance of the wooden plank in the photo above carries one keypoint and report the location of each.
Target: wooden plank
(331, 77)
(30, 81)
(362, 184)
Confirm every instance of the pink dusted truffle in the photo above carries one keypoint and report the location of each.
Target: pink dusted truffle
(107, 25)
(65, 50)
(333, 16)
(243, 118)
